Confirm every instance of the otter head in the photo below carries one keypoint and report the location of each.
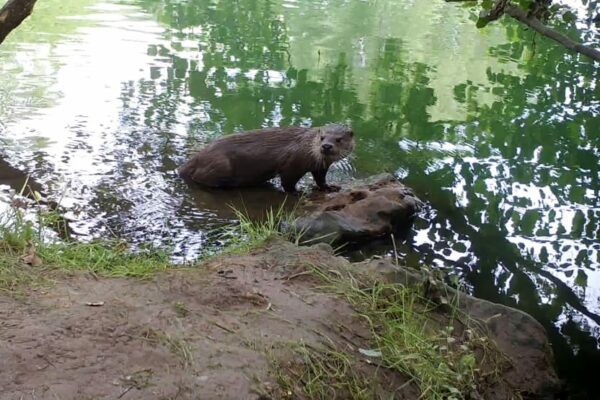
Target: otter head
(334, 142)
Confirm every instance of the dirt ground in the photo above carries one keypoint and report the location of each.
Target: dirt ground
(213, 332)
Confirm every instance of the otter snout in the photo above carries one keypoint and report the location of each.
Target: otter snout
(326, 148)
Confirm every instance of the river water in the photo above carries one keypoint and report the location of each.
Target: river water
(498, 130)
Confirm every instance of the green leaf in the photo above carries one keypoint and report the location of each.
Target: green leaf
(526, 4)
(568, 16)
(468, 360)
(481, 23)
(581, 279)
(487, 4)
(554, 8)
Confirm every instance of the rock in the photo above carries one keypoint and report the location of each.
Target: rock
(517, 334)
(367, 209)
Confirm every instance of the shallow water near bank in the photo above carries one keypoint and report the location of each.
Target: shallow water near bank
(497, 130)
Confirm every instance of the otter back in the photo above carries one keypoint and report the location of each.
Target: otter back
(253, 157)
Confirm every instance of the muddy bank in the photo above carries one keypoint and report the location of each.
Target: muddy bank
(211, 332)
(229, 329)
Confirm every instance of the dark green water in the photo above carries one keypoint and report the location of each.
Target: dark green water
(498, 130)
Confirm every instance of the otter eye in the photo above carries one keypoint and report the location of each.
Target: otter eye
(322, 138)
(338, 140)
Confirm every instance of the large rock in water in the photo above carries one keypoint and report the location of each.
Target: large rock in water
(368, 209)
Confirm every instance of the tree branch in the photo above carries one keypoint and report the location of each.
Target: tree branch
(520, 15)
(12, 14)
(524, 17)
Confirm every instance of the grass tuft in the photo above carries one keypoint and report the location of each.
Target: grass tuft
(29, 250)
(251, 233)
(177, 346)
(14, 276)
(411, 338)
(108, 258)
(323, 374)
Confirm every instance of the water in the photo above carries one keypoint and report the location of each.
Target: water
(498, 130)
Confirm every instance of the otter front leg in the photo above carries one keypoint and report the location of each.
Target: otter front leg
(319, 177)
(289, 182)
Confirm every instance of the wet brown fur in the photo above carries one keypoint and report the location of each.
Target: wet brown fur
(253, 157)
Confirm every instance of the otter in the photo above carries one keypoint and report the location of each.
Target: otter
(253, 157)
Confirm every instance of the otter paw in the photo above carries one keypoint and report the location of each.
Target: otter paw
(329, 188)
